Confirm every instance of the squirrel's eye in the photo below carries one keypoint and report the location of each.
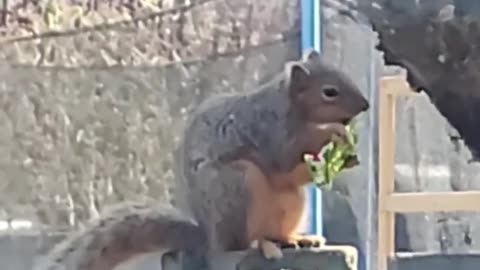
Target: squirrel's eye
(330, 92)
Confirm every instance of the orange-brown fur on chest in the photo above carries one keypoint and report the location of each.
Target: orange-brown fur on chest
(277, 202)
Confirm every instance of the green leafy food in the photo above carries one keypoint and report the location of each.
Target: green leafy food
(333, 159)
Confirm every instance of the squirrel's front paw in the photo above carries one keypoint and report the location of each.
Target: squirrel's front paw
(306, 241)
(272, 248)
(335, 131)
(301, 241)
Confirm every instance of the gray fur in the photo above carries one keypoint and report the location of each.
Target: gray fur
(262, 127)
(269, 127)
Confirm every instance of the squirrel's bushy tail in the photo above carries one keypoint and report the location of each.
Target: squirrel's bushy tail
(124, 232)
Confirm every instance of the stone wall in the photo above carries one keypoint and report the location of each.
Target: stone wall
(106, 133)
(90, 116)
(431, 156)
(20, 251)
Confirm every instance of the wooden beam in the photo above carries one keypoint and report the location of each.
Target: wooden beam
(389, 202)
(386, 233)
(395, 86)
(432, 202)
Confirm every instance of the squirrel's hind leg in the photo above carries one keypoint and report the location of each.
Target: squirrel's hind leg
(269, 249)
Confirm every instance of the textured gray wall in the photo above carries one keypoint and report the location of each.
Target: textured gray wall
(348, 209)
(90, 117)
(20, 251)
(430, 157)
(129, 117)
(138, 112)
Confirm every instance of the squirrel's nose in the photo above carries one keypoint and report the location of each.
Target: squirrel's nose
(365, 104)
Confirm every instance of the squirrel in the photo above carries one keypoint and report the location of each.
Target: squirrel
(240, 175)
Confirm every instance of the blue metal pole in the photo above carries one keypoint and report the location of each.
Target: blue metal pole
(311, 38)
(317, 45)
(307, 24)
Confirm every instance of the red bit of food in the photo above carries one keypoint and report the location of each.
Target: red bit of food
(316, 156)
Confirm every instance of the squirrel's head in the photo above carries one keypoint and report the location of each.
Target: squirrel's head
(323, 93)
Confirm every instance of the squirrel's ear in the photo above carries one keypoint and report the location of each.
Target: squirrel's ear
(298, 76)
(310, 54)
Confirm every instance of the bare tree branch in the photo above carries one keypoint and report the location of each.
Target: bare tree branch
(105, 26)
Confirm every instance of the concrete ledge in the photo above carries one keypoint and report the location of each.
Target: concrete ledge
(325, 258)
(429, 261)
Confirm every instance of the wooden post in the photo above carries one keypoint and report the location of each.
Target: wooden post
(386, 219)
(390, 203)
